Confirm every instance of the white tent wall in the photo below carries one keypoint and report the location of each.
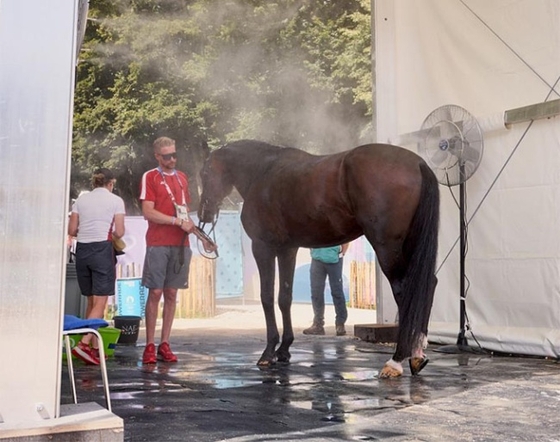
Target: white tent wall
(487, 57)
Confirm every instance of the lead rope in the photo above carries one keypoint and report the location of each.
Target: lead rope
(203, 236)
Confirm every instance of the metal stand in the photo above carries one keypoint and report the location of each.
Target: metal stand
(462, 345)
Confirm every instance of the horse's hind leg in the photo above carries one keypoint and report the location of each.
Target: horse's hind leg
(286, 266)
(264, 256)
(392, 264)
(418, 359)
(409, 346)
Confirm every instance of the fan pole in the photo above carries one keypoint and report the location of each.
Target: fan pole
(462, 345)
(461, 339)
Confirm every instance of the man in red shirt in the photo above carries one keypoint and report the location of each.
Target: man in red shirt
(164, 193)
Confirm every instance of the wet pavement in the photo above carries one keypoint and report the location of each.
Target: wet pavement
(330, 391)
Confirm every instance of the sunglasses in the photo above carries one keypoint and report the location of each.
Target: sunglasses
(168, 156)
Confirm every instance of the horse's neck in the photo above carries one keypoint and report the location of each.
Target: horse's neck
(247, 165)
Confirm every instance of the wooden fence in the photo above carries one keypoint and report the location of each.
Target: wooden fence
(198, 301)
(362, 285)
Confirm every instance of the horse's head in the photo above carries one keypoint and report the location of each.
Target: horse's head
(216, 185)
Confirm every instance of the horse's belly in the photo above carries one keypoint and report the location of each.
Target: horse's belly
(297, 228)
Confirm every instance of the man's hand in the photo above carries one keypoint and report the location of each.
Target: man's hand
(208, 245)
(187, 225)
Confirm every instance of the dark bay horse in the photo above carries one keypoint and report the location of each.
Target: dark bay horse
(294, 199)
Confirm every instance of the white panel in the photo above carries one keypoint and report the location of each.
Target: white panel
(37, 56)
(385, 103)
(487, 57)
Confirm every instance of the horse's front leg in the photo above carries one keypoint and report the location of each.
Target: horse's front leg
(266, 266)
(286, 268)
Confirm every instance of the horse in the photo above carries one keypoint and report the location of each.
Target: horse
(294, 199)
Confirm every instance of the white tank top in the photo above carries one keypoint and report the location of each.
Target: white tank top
(96, 210)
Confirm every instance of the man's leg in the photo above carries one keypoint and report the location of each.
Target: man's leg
(152, 305)
(317, 275)
(334, 272)
(169, 305)
(164, 352)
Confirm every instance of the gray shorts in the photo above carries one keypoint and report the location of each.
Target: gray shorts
(163, 269)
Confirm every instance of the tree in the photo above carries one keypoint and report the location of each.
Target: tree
(204, 72)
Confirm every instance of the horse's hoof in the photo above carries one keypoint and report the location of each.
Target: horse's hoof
(417, 364)
(284, 361)
(389, 372)
(264, 363)
(284, 357)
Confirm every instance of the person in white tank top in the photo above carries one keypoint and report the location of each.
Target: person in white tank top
(96, 218)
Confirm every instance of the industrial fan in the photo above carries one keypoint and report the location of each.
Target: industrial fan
(451, 142)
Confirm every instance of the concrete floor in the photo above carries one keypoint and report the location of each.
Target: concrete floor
(329, 392)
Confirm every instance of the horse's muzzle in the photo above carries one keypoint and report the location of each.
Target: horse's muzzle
(205, 215)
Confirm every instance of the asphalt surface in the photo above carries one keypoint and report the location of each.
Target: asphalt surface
(329, 392)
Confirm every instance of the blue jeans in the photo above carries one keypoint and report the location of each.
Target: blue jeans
(318, 273)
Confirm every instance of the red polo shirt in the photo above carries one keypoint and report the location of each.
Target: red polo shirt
(153, 188)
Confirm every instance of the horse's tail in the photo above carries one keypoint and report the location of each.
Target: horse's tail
(418, 284)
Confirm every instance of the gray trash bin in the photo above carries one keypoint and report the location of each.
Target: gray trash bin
(74, 303)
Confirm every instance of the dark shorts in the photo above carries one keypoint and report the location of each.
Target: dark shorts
(163, 268)
(95, 268)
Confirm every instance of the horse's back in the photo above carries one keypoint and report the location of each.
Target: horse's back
(382, 167)
(384, 155)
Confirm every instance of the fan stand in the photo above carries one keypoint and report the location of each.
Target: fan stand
(462, 345)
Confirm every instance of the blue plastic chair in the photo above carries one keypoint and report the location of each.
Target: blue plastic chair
(77, 326)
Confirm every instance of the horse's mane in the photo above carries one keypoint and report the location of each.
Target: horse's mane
(259, 155)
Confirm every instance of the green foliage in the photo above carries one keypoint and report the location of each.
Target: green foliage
(292, 72)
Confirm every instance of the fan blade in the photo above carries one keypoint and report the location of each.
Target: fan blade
(470, 154)
(438, 158)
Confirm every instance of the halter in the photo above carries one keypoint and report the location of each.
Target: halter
(202, 235)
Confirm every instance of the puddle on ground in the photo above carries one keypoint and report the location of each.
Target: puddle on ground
(365, 375)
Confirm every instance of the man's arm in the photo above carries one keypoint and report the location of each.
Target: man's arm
(155, 216)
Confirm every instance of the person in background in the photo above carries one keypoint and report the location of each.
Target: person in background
(327, 261)
(96, 218)
(164, 193)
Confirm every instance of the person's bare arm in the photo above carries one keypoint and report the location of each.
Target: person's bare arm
(118, 230)
(344, 248)
(73, 224)
(155, 216)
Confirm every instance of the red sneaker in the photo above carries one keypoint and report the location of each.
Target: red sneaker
(84, 352)
(95, 352)
(149, 356)
(165, 354)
